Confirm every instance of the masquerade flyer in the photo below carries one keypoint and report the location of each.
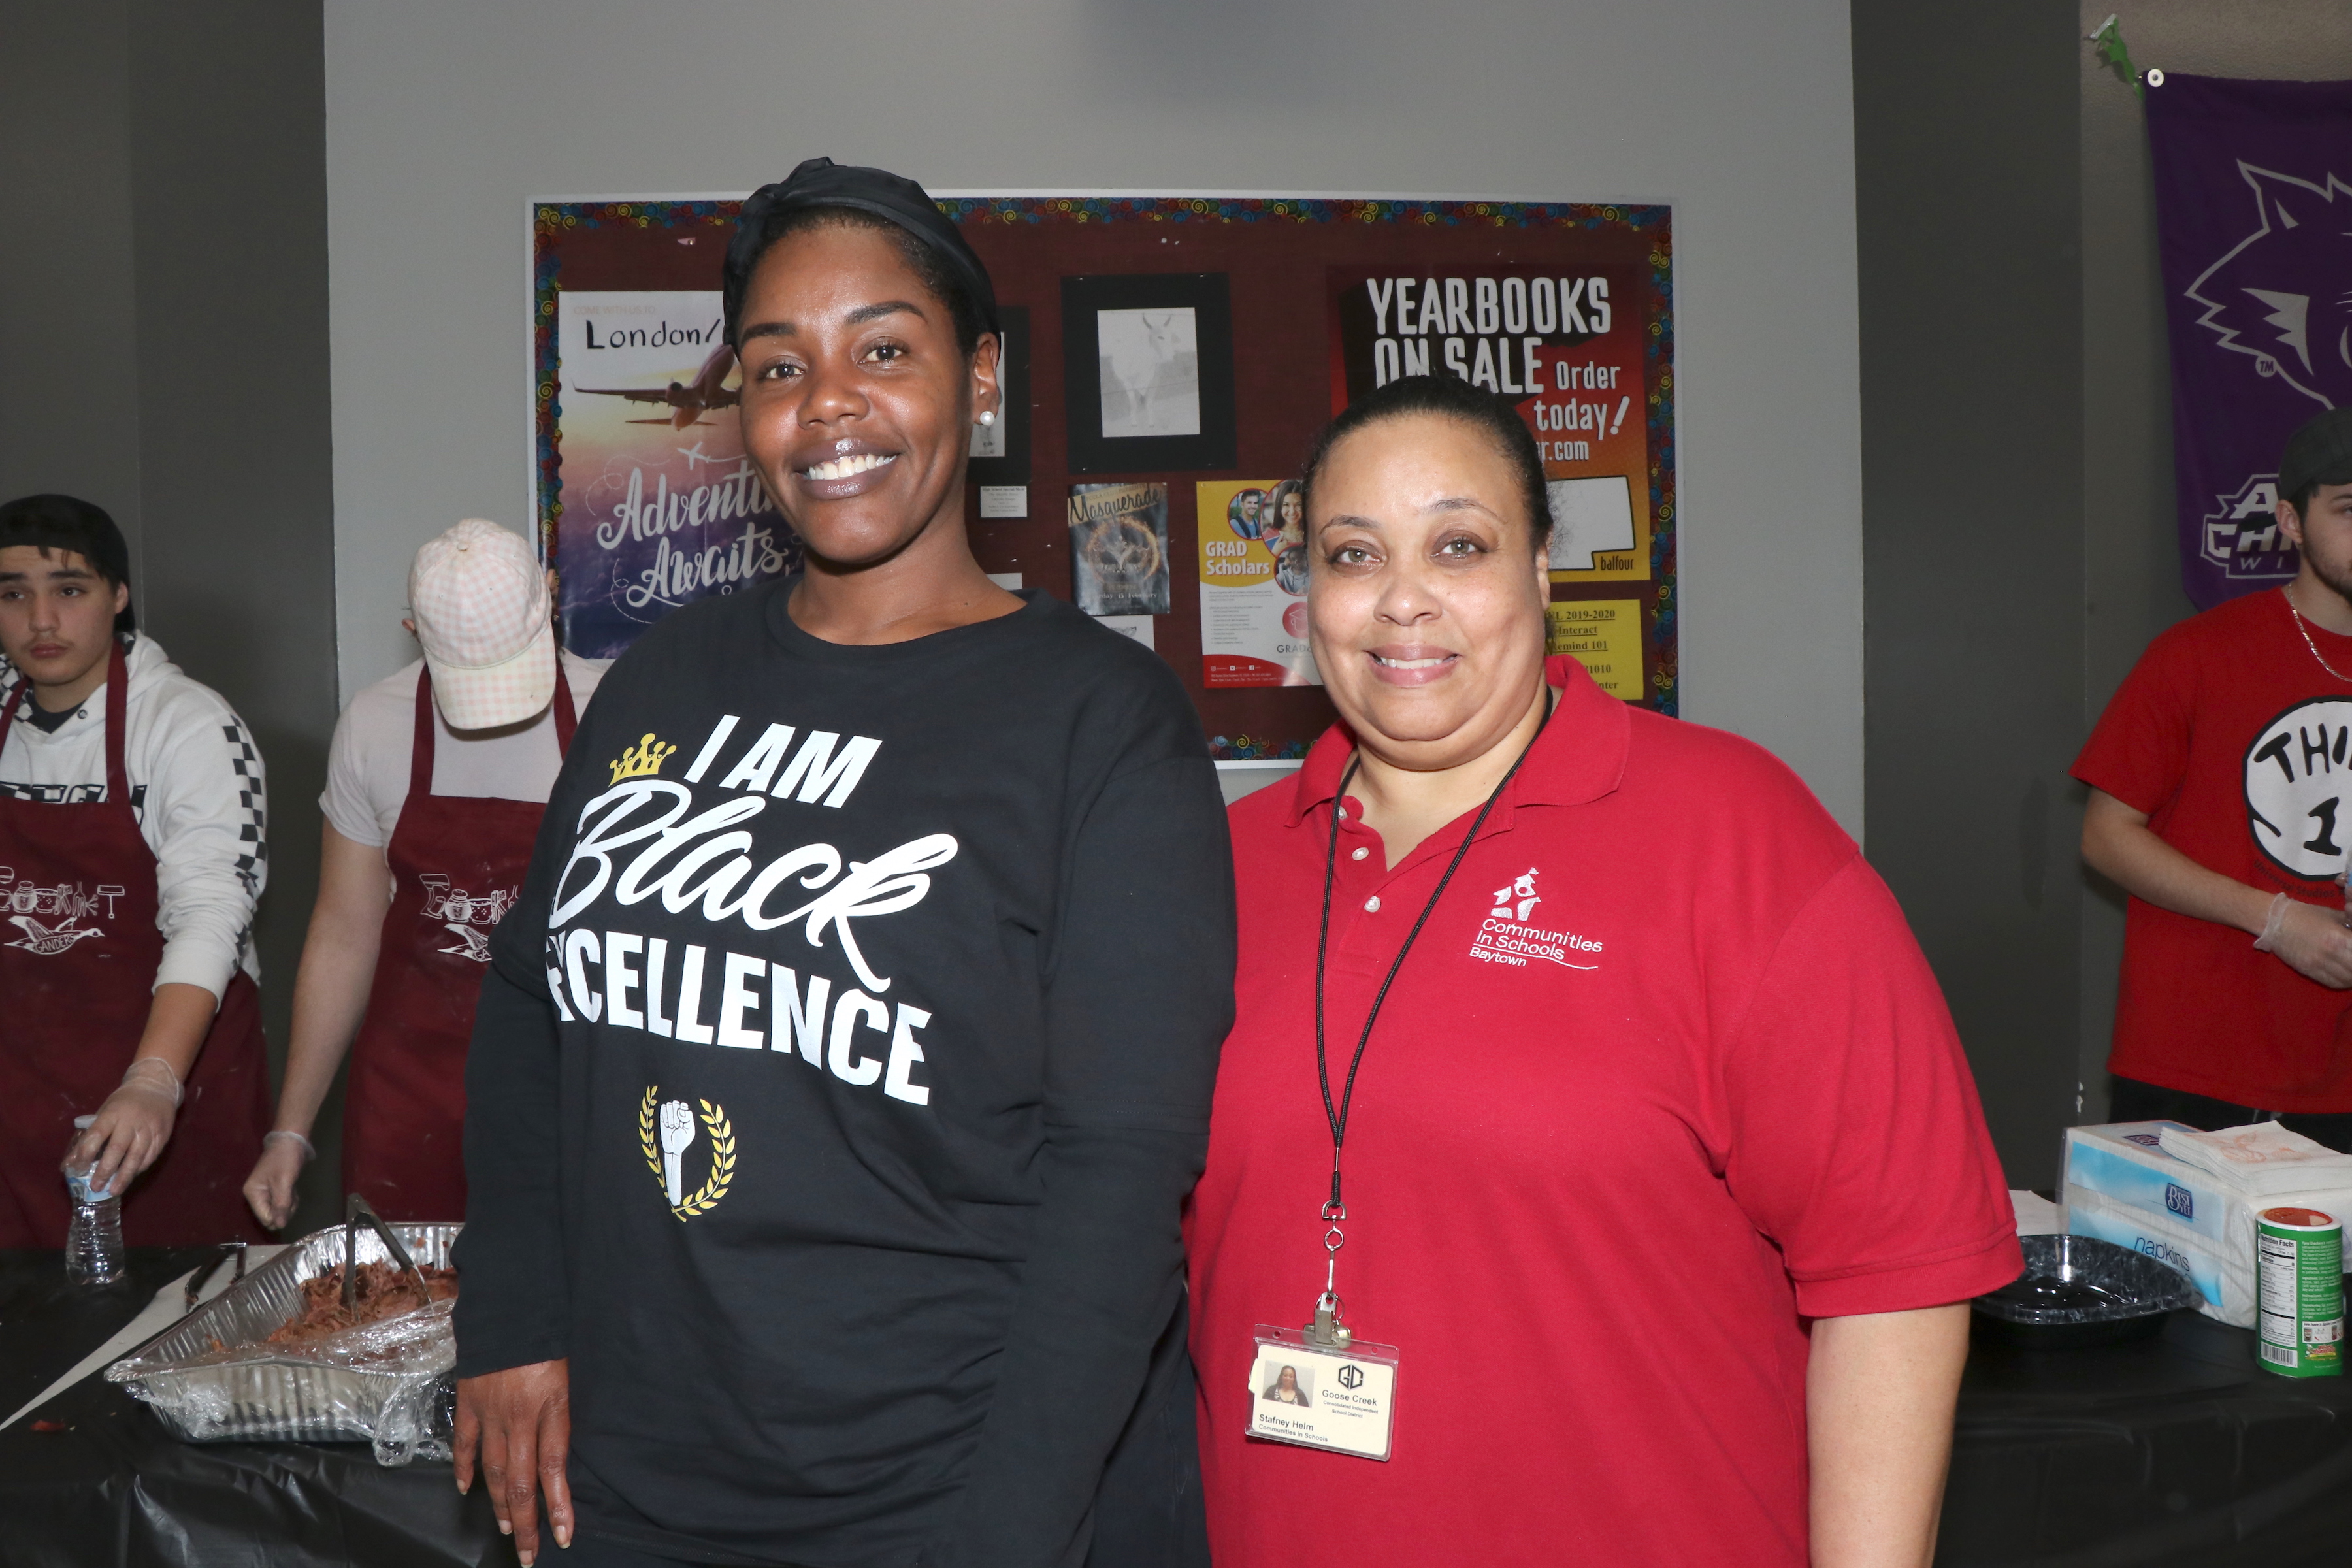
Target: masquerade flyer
(1119, 547)
(659, 506)
(1565, 343)
(1254, 585)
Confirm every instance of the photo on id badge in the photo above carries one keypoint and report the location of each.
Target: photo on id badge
(1340, 1400)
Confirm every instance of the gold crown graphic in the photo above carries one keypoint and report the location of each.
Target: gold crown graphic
(645, 758)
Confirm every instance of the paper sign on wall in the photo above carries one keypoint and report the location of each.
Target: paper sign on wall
(1254, 585)
(660, 507)
(1564, 344)
(1602, 634)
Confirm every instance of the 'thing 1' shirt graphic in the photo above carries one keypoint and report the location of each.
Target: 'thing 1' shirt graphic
(2297, 772)
(685, 845)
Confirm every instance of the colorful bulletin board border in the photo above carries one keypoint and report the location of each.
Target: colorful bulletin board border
(1625, 230)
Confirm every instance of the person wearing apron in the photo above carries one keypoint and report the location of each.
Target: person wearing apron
(156, 1037)
(416, 874)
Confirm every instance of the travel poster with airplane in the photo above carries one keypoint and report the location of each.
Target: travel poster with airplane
(660, 507)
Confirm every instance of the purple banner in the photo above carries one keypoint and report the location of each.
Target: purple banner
(2253, 209)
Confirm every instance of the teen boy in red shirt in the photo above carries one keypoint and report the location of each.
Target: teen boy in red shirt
(2217, 774)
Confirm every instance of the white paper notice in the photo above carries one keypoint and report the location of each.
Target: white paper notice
(1004, 500)
(1136, 627)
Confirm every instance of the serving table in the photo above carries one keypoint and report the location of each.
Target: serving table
(2173, 1451)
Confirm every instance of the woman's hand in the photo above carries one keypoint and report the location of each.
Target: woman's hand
(129, 1131)
(269, 1190)
(519, 1422)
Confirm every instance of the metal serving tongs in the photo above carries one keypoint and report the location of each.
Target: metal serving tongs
(356, 1209)
(203, 1277)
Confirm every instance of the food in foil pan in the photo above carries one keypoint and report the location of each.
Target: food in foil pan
(380, 1290)
(277, 1358)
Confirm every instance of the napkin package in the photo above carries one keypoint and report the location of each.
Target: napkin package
(2123, 1187)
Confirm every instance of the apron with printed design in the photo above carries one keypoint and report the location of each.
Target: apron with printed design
(457, 865)
(79, 951)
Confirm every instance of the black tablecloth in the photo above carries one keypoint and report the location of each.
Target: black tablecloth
(114, 1487)
(2176, 1451)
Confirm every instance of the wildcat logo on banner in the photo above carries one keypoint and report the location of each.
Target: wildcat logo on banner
(2253, 204)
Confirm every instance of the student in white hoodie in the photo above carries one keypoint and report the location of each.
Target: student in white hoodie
(132, 850)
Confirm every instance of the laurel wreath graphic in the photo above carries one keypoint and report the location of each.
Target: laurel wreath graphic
(722, 1152)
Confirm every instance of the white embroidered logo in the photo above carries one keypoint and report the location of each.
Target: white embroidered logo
(1524, 890)
(1505, 938)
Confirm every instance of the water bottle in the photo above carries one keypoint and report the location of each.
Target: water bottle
(94, 1239)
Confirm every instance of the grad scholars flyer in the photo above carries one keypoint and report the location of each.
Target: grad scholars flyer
(1254, 585)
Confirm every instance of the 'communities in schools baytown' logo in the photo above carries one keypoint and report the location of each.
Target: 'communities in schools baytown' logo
(1507, 937)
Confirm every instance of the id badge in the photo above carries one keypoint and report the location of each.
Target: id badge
(1317, 1397)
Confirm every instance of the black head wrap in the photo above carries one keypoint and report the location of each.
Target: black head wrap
(821, 183)
(68, 523)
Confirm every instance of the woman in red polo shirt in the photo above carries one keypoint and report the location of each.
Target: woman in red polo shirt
(1651, 1111)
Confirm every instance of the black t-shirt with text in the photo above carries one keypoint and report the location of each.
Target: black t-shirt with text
(840, 1076)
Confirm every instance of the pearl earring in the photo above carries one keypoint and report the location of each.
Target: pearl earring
(988, 417)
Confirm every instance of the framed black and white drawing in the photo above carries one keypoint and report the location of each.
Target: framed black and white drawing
(1148, 371)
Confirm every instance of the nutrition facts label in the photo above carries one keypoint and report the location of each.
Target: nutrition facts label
(2278, 1288)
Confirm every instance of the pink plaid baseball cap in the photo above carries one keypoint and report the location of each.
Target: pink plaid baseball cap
(479, 600)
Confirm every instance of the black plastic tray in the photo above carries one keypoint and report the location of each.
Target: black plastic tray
(2078, 1291)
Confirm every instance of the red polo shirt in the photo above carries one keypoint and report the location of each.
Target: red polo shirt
(1664, 1076)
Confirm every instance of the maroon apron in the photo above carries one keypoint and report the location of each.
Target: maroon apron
(79, 951)
(457, 865)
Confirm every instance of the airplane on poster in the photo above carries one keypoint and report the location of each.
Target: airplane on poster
(695, 457)
(688, 401)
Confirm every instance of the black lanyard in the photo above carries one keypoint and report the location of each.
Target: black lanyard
(1336, 1210)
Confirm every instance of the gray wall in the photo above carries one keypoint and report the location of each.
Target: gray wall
(2018, 496)
(443, 117)
(1967, 196)
(163, 353)
(2131, 564)
(68, 328)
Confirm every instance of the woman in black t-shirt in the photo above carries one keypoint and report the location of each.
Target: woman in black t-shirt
(840, 1075)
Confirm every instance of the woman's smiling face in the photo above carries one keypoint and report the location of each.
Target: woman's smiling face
(1426, 597)
(858, 402)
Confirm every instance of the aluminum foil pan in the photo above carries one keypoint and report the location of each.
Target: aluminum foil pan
(213, 1378)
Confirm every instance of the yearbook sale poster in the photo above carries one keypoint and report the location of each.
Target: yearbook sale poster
(659, 505)
(1119, 548)
(1564, 344)
(1254, 585)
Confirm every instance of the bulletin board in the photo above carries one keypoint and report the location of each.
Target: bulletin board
(1166, 356)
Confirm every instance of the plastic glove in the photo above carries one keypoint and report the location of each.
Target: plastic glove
(269, 1190)
(2311, 940)
(129, 1131)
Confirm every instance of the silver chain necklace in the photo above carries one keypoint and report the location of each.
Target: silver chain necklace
(2289, 596)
